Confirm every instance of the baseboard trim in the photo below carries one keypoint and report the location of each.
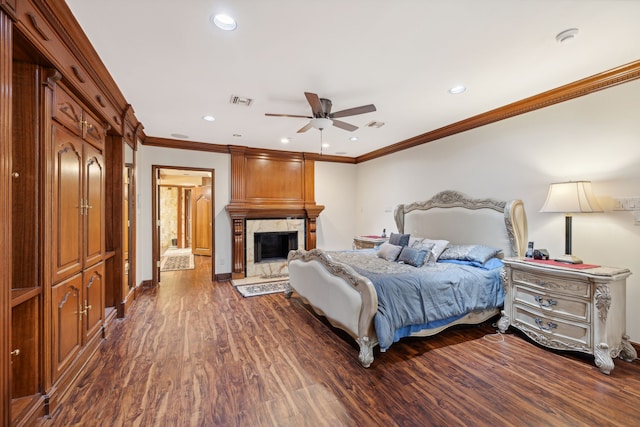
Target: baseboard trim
(225, 277)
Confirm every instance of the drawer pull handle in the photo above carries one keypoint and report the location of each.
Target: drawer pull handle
(550, 325)
(549, 303)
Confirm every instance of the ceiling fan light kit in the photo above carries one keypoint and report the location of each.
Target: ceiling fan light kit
(321, 123)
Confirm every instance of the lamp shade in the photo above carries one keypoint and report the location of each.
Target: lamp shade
(569, 197)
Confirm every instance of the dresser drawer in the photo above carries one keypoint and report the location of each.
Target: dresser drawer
(553, 331)
(552, 283)
(553, 304)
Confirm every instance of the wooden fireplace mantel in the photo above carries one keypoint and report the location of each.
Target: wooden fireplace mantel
(268, 185)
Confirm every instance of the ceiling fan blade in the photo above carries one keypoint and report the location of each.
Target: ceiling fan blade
(316, 105)
(353, 111)
(344, 125)
(287, 115)
(305, 128)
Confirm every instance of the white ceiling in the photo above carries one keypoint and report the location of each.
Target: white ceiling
(174, 67)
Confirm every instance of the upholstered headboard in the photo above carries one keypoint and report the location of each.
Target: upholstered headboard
(453, 216)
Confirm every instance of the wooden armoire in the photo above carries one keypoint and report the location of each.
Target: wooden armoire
(67, 162)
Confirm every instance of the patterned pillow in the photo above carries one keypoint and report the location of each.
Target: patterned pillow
(435, 246)
(388, 251)
(414, 257)
(399, 239)
(476, 253)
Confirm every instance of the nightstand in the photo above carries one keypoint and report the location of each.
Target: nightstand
(568, 308)
(368, 242)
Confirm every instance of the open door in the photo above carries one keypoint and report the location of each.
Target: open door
(201, 221)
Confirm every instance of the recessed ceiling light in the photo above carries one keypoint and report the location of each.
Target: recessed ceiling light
(285, 140)
(567, 35)
(224, 22)
(457, 89)
(353, 138)
(208, 118)
(325, 145)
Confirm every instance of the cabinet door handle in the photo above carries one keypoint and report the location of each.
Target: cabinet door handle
(550, 325)
(549, 303)
(15, 352)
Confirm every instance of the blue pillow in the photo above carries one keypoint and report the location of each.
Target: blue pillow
(414, 257)
(399, 239)
(476, 253)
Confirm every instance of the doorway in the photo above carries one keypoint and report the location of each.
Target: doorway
(183, 215)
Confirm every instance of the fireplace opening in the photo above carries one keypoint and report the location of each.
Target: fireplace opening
(273, 246)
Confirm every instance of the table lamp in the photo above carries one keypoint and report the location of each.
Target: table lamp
(570, 197)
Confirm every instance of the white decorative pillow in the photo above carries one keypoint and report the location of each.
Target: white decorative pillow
(438, 247)
(388, 251)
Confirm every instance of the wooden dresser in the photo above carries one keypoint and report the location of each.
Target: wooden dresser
(567, 308)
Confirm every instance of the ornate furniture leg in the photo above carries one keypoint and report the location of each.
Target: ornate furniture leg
(603, 358)
(366, 351)
(288, 291)
(503, 323)
(627, 353)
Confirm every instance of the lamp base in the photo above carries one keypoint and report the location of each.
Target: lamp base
(569, 259)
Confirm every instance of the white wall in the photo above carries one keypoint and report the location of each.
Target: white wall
(335, 186)
(596, 137)
(148, 156)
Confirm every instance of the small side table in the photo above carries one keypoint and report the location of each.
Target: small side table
(368, 242)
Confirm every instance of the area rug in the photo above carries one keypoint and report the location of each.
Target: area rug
(263, 288)
(177, 259)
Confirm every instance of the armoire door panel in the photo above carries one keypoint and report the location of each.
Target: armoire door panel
(66, 312)
(67, 204)
(93, 309)
(93, 201)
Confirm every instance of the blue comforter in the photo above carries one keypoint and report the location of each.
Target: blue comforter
(428, 297)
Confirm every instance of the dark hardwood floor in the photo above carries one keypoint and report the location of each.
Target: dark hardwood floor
(195, 353)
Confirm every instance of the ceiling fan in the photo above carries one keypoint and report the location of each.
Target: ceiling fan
(323, 117)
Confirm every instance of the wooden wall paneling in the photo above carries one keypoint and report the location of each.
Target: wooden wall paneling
(50, 81)
(6, 112)
(113, 223)
(26, 274)
(274, 180)
(269, 184)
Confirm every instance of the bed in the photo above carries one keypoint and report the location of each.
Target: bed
(344, 286)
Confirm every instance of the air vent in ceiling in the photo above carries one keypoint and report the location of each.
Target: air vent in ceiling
(375, 124)
(235, 99)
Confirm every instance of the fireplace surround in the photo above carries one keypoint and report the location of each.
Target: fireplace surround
(274, 188)
(287, 231)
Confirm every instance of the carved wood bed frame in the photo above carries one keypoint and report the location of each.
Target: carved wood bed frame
(349, 301)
